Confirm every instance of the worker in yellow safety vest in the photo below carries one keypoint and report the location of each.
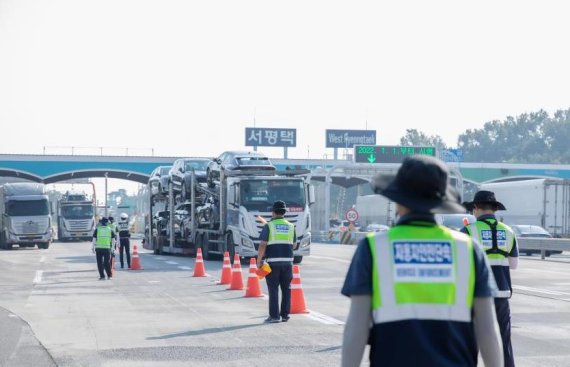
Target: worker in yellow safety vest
(103, 237)
(420, 293)
(500, 245)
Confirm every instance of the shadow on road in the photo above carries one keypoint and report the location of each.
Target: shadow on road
(203, 332)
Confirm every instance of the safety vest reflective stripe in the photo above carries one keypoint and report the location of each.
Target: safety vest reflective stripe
(456, 306)
(498, 262)
(275, 259)
(103, 237)
(503, 294)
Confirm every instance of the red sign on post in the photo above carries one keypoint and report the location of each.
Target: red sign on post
(351, 215)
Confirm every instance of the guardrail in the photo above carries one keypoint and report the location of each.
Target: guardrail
(543, 244)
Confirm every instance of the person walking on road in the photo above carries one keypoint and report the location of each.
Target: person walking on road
(420, 293)
(102, 241)
(124, 240)
(500, 245)
(278, 239)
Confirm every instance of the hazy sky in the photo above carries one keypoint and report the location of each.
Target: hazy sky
(186, 77)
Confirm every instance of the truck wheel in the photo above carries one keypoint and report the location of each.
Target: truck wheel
(230, 246)
(297, 259)
(206, 246)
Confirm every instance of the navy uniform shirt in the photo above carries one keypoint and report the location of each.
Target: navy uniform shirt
(415, 342)
(502, 274)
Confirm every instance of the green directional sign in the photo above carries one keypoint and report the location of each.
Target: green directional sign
(388, 153)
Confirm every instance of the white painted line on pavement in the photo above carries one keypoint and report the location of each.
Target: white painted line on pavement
(38, 278)
(185, 268)
(42, 259)
(327, 320)
(538, 290)
(329, 258)
(172, 262)
(154, 281)
(160, 258)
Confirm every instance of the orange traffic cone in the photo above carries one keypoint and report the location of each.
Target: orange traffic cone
(237, 280)
(253, 288)
(226, 277)
(199, 270)
(297, 296)
(135, 260)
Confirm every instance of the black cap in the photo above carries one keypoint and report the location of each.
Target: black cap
(485, 197)
(104, 220)
(279, 207)
(420, 184)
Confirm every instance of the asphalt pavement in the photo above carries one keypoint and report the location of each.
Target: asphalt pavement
(163, 316)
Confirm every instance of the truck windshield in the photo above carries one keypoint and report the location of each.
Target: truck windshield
(77, 212)
(261, 194)
(20, 208)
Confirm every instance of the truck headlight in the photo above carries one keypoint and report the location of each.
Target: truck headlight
(306, 241)
(246, 242)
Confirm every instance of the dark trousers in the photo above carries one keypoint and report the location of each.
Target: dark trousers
(504, 318)
(103, 261)
(280, 276)
(125, 245)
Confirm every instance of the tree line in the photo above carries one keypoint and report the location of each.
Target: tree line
(533, 137)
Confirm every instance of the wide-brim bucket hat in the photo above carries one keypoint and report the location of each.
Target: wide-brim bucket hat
(485, 197)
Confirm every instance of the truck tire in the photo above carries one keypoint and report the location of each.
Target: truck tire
(297, 259)
(206, 246)
(44, 246)
(230, 246)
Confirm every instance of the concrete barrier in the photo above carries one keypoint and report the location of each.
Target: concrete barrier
(543, 244)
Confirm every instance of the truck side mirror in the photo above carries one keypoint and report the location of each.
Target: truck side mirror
(311, 194)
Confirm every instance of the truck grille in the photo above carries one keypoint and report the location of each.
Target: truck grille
(292, 218)
(78, 225)
(30, 226)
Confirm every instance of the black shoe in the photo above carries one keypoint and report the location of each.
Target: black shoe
(271, 320)
(285, 318)
(101, 278)
(109, 278)
(122, 266)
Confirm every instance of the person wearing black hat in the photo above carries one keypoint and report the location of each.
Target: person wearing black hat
(102, 240)
(420, 293)
(500, 245)
(278, 238)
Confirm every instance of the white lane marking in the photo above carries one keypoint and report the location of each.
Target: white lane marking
(327, 320)
(42, 259)
(314, 315)
(12, 315)
(154, 281)
(329, 258)
(38, 277)
(160, 258)
(185, 268)
(172, 262)
(538, 290)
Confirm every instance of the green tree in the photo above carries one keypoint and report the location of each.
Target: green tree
(414, 137)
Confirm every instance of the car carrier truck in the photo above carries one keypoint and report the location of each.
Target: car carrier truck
(230, 216)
